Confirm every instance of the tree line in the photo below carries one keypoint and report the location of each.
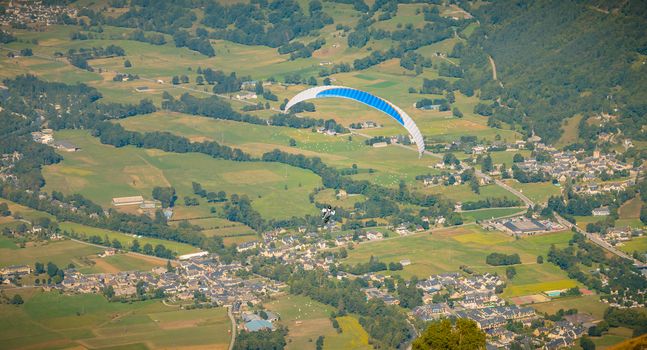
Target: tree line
(490, 202)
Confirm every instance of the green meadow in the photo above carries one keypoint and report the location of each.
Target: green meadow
(122, 262)
(445, 250)
(537, 192)
(486, 214)
(102, 172)
(53, 320)
(464, 193)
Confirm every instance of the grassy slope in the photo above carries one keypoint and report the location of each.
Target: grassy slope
(60, 252)
(122, 262)
(125, 239)
(447, 250)
(101, 172)
(336, 151)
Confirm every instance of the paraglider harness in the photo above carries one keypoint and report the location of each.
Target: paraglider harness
(327, 213)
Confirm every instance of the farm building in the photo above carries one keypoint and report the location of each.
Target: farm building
(15, 270)
(141, 88)
(369, 124)
(122, 201)
(525, 226)
(379, 144)
(430, 108)
(248, 85)
(65, 146)
(246, 246)
(603, 211)
(257, 325)
(246, 96)
(192, 255)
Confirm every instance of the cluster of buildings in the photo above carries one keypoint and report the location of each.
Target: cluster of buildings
(375, 293)
(566, 165)
(202, 275)
(618, 235)
(448, 171)
(329, 132)
(474, 292)
(592, 188)
(14, 271)
(475, 298)
(521, 225)
(562, 334)
(34, 12)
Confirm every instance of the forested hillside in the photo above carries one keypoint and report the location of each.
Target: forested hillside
(557, 58)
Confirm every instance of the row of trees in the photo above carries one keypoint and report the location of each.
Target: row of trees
(220, 196)
(159, 250)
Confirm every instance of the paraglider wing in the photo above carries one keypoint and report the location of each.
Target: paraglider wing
(366, 98)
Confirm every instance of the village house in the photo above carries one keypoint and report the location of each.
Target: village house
(246, 246)
(246, 95)
(15, 270)
(602, 211)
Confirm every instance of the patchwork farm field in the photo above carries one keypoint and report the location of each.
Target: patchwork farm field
(445, 250)
(52, 320)
(101, 172)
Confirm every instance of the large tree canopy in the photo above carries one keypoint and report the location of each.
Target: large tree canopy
(463, 335)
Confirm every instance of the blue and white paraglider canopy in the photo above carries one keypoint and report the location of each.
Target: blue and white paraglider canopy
(368, 99)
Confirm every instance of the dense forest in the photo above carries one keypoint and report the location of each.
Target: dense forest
(559, 58)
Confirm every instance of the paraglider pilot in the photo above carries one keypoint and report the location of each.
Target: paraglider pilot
(327, 213)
